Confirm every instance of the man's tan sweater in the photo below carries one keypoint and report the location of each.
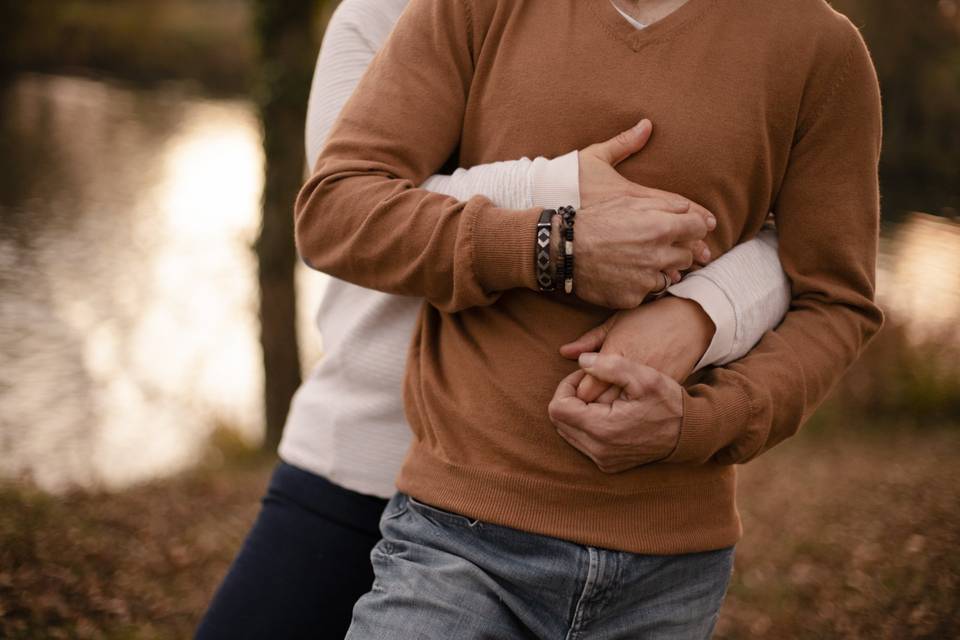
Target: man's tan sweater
(758, 105)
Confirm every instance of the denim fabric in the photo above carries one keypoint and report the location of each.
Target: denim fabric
(439, 575)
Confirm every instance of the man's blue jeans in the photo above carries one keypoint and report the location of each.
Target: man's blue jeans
(440, 575)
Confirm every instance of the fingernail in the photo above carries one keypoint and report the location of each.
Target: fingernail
(705, 255)
(587, 359)
(711, 222)
(641, 124)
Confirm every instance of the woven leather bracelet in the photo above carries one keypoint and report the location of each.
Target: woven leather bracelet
(542, 250)
(569, 215)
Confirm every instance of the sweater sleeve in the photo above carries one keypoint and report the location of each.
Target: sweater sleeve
(745, 292)
(360, 217)
(356, 31)
(827, 213)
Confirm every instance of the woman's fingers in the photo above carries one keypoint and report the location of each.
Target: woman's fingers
(590, 341)
(567, 388)
(632, 377)
(610, 395)
(590, 389)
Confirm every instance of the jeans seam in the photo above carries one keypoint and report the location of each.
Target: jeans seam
(574, 632)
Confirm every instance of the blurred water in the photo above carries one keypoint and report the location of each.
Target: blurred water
(128, 306)
(919, 275)
(127, 283)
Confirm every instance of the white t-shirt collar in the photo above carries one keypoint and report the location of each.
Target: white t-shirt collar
(636, 23)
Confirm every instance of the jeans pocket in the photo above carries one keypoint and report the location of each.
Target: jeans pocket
(440, 516)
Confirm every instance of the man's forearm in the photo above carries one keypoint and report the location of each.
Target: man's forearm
(827, 215)
(360, 217)
(354, 35)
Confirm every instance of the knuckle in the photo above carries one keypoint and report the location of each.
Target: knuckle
(649, 281)
(555, 410)
(662, 260)
(700, 225)
(646, 381)
(660, 227)
(612, 359)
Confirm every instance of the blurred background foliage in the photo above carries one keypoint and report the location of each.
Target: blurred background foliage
(104, 104)
(207, 41)
(914, 45)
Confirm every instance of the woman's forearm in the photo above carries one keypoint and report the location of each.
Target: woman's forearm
(745, 292)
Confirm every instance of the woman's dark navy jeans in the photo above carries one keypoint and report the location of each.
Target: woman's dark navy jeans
(303, 565)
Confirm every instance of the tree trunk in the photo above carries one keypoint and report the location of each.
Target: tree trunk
(287, 55)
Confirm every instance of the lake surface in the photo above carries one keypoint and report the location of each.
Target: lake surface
(127, 279)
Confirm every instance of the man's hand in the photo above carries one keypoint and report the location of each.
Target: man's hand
(623, 245)
(600, 181)
(627, 234)
(639, 427)
(669, 334)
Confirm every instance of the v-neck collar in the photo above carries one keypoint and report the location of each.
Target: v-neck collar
(617, 26)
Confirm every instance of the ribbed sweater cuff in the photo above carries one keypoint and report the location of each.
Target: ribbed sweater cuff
(503, 248)
(710, 423)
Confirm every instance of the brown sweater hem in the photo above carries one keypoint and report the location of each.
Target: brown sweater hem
(664, 520)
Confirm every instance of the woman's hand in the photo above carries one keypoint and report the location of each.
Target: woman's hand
(639, 427)
(669, 334)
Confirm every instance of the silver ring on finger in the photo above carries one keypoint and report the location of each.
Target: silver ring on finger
(656, 293)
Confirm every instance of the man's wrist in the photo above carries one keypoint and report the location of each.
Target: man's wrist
(503, 258)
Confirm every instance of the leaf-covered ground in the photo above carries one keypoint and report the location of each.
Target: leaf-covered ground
(847, 535)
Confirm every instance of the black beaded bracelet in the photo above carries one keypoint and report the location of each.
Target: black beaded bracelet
(569, 215)
(560, 273)
(542, 250)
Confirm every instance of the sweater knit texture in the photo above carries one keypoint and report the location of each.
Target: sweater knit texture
(346, 420)
(759, 106)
